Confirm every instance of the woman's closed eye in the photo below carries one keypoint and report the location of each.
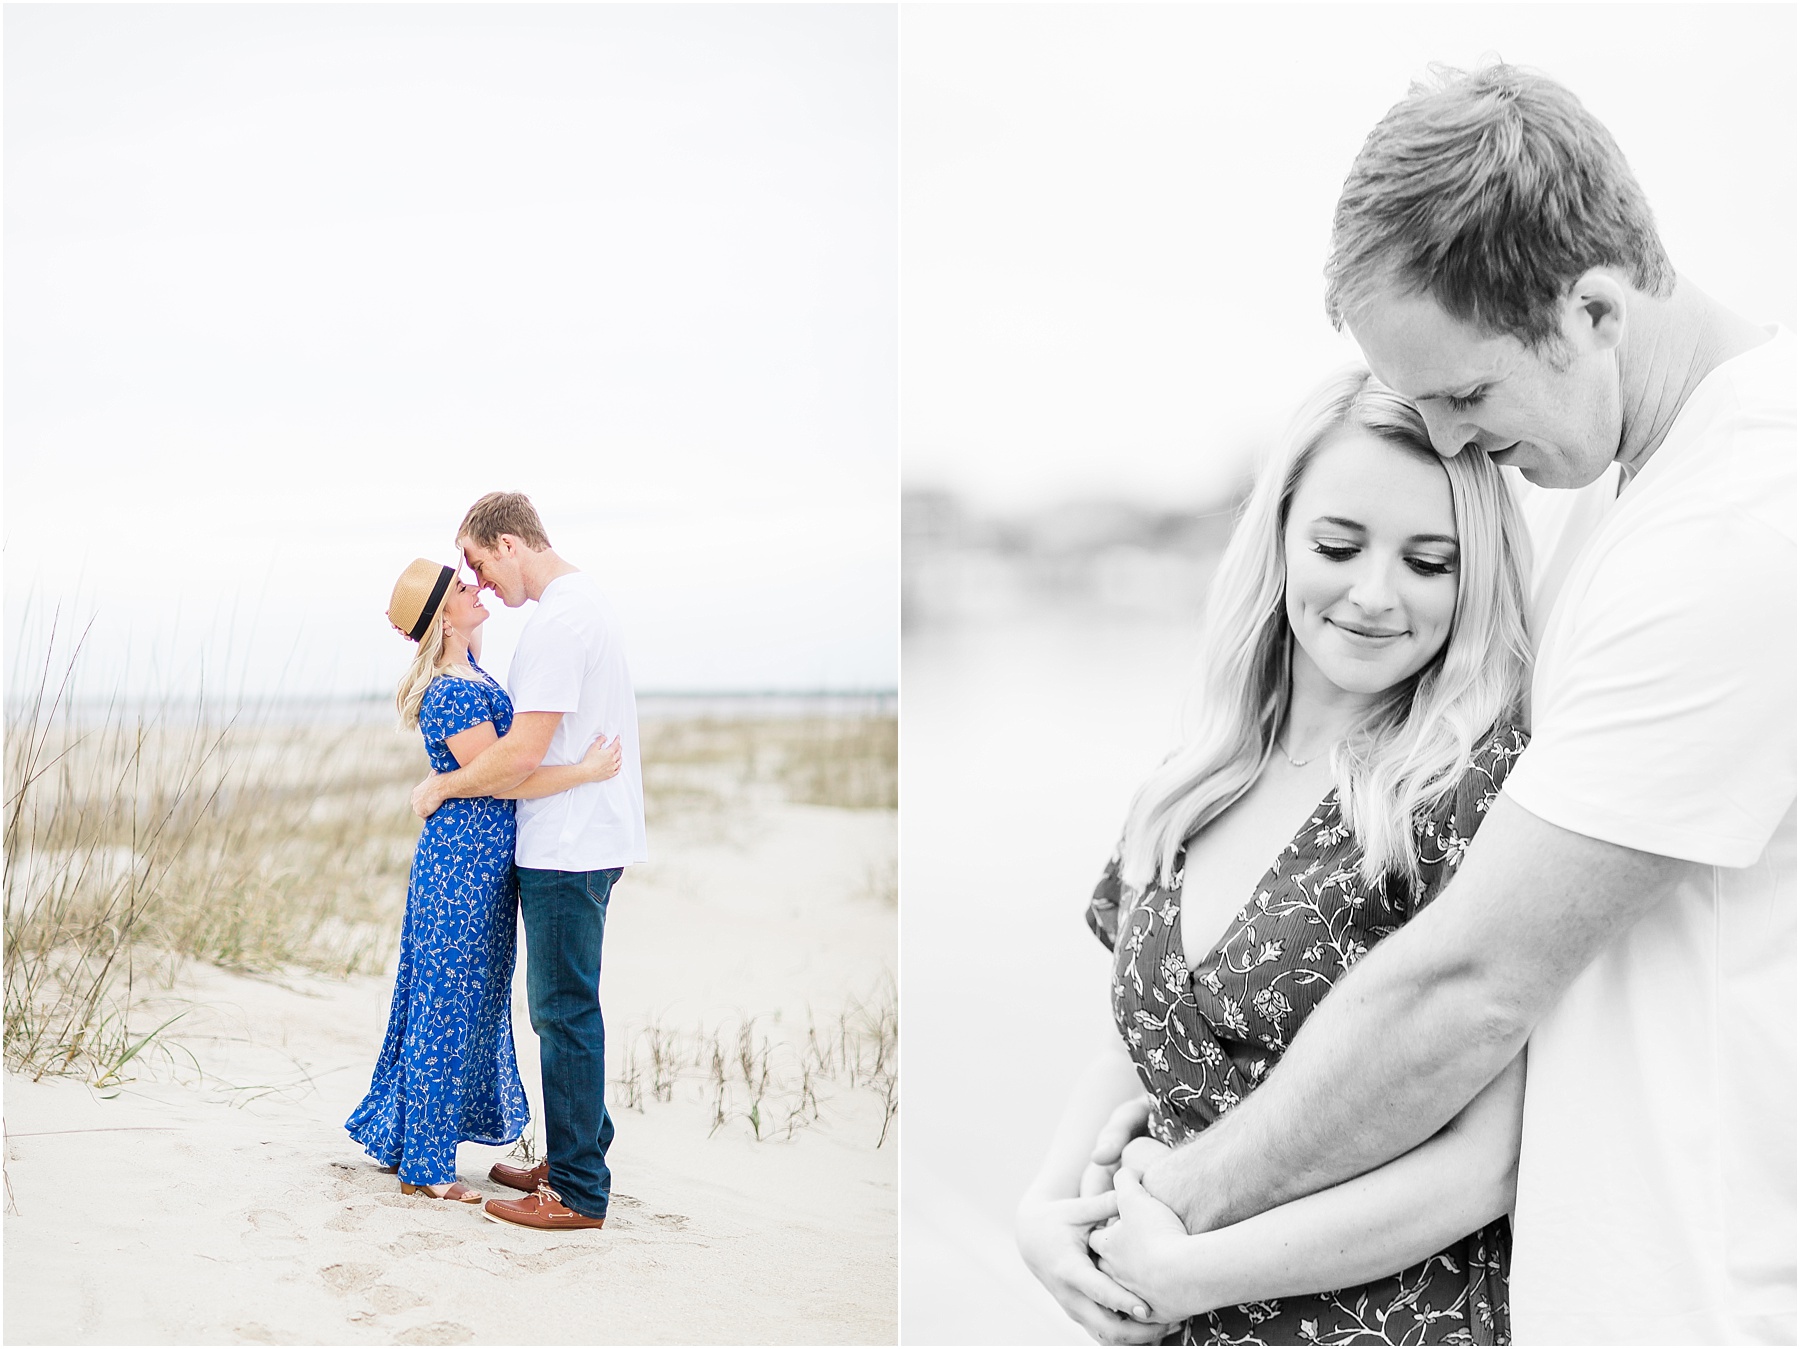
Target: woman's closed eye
(1422, 565)
(1431, 566)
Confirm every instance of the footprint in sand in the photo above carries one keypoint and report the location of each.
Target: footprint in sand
(638, 1222)
(362, 1179)
(387, 1299)
(411, 1243)
(271, 1222)
(348, 1278)
(542, 1262)
(438, 1332)
(672, 1221)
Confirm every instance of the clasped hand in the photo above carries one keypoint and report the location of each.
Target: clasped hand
(1141, 1249)
(1055, 1236)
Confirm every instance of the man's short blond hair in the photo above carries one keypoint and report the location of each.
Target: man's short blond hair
(1491, 191)
(500, 513)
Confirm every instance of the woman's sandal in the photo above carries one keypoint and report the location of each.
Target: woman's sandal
(455, 1191)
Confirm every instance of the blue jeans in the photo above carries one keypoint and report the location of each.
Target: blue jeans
(565, 920)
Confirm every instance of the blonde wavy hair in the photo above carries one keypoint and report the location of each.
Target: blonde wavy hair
(1421, 735)
(429, 661)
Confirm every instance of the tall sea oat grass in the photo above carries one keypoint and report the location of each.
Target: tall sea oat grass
(770, 1081)
(850, 762)
(139, 837)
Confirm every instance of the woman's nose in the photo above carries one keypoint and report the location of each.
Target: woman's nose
(1372, 590)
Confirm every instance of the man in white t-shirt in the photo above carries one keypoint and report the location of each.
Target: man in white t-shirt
(569, 685)
(1628, 906)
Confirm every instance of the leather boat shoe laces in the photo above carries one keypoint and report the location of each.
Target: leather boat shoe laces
(542, 1209)
(520, 1177)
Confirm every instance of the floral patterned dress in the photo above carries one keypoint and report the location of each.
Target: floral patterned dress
(447, 1072)
(1203, 1040)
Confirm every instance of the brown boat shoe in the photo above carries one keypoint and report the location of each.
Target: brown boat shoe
(542, 1209)
(520, 1177)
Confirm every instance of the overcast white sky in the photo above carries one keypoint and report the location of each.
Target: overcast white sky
(1115, 217)
(288, 287)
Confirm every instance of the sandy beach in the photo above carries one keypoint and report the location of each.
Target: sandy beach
(214, 1198)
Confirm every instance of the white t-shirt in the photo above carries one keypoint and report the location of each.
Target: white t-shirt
(1656, 1175)
(570, 660)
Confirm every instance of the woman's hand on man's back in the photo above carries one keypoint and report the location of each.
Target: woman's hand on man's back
(603, 758)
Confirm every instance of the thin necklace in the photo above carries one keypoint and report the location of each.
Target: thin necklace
(1301, 763)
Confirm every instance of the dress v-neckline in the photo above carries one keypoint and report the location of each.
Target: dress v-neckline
(1264, 883)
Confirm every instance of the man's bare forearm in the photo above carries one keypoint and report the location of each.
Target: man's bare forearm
(1423, 1022)
(1389, 1058)
(500, 767)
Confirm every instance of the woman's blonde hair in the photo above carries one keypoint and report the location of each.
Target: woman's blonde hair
(1421, 735)
(429, 661)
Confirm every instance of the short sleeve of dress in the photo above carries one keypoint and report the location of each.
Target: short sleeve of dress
(450, 707)
(1103, 908)
(1443, 837)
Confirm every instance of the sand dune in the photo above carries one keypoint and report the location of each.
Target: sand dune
(217, 1200)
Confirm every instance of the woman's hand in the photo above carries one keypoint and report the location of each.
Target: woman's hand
(1128, 1122)
(1144, 1250)
(1053, 1236)
(427, 797)
(602, 759)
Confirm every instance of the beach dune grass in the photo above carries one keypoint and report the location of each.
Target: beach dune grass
(769, 1080)
(136, 839)
(139, 837)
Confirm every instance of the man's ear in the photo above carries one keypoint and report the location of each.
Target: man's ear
(1594, 311)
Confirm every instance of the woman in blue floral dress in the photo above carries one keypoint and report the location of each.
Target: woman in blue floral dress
(447, 1072)
(1362, 676)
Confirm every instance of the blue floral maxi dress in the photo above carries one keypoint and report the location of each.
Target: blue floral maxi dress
(447, 1072)
(1204, 1037)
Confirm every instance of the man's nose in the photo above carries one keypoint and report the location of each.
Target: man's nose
(1450, 434)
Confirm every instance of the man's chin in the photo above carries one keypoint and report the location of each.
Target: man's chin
(1559, 477)
(1564, 469)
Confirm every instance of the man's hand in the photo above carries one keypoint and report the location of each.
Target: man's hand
(1142, 1154)
(1052, 1236)
(427, 797)
(1129, 1121)
(1143, 1250)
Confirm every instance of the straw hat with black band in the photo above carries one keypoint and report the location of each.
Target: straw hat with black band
(417, 595)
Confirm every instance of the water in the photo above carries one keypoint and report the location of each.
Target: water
(1021, 743)
(377, 709)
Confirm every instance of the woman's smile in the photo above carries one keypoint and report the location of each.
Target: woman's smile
(1374, 636)
(1371, 554)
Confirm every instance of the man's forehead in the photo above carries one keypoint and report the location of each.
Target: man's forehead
(1418, 350)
